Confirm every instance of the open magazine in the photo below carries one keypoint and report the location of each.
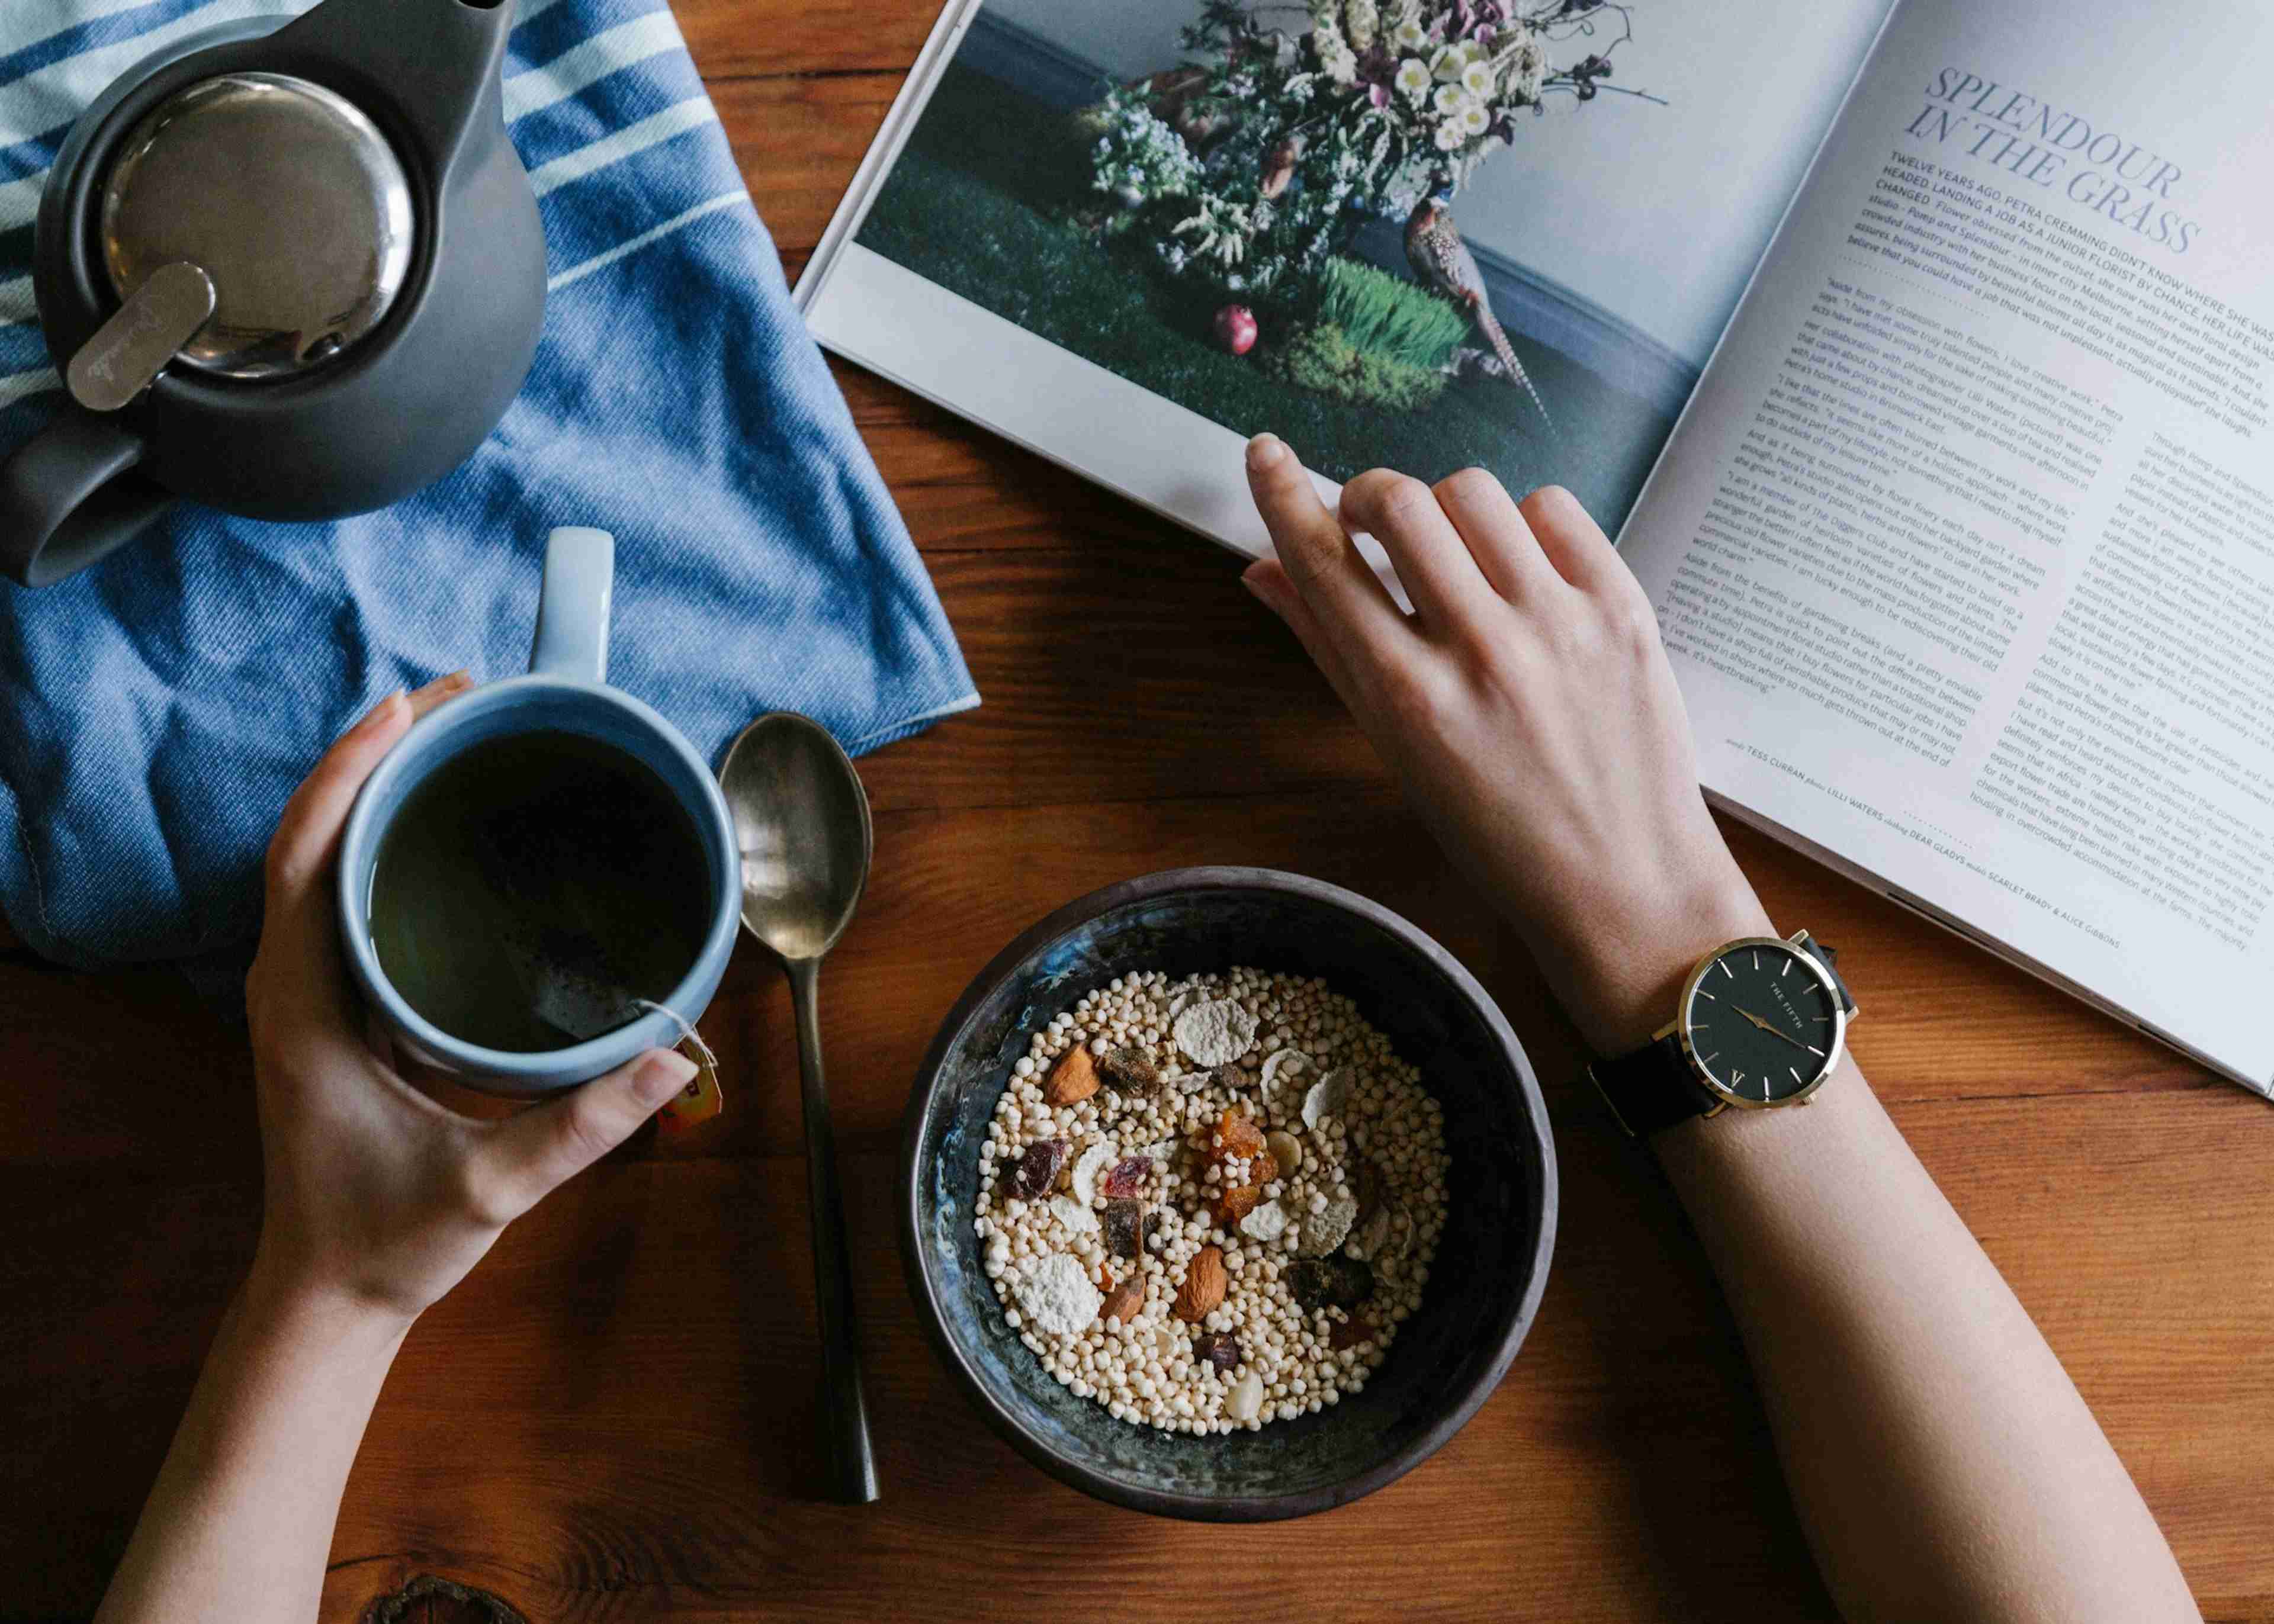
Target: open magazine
(1919, 354)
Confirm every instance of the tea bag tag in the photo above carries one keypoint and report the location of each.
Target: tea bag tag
(701, 1100)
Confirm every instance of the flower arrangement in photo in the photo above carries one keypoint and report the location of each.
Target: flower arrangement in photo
(1252, 164)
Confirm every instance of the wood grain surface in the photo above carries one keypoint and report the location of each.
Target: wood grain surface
(612, 1419)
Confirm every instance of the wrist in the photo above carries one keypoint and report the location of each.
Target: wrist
(1628, 967)
(307, 1308)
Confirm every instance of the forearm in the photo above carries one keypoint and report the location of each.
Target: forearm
(1942, 1463)
(239, 1523)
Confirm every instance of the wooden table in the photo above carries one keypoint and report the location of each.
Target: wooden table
(613, 1418)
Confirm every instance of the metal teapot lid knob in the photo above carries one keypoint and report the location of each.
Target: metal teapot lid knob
(289, 199)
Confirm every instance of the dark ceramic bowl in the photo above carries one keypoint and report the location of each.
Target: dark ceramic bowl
(1491, 1263)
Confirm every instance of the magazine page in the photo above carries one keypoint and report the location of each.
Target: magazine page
(1425, 233)
(1965, 549)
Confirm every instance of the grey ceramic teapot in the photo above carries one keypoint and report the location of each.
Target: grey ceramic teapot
(290, 268)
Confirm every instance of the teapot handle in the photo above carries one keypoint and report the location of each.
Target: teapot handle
(71, 495)
(440, 59)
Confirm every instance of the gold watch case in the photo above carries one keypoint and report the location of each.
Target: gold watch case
(1679, 1026)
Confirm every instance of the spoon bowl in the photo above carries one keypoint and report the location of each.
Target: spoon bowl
(801, 819)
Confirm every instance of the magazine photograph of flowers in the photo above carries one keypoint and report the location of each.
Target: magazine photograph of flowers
(1375, 226)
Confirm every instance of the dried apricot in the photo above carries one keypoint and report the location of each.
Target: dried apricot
(1237, 1139)
(1235, 1204)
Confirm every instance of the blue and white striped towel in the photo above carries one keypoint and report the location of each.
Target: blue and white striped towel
(156, 710)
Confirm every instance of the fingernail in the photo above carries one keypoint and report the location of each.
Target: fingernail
(450, 684)
(378, 712)
(457, 681)
(661, 1075)
(1265, 451)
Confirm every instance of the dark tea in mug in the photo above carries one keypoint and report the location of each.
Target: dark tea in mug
(533, 888)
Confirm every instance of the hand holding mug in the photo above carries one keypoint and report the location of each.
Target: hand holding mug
(376, 1195)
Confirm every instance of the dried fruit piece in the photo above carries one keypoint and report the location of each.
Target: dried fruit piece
(1327, 1098)
(1330, 1283)
(1235, 1138)
(1368, 1187)
(1036, 1170)
(1230, 1206)
(1323, 1231)
(1156, 1227)
(1220, 1349)
(1267, 1223)
(1244, 1401)
(1351, 1332)
(1205, 1282)
(1216, 1033)
(1128, 1175)
(1074, 1080)
(1286, 1151)
(1128, 1071)
(1058, 1297)
(1125, 1302)
(1086, 1169)
(1124, 1226)
(1078, 1219)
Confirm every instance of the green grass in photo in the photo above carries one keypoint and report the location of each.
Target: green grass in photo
(988, 201)
(1389, 317)
(1321, 358)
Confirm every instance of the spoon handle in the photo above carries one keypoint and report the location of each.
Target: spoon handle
(852, 1468)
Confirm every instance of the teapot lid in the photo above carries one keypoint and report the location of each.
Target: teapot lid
(289, 199)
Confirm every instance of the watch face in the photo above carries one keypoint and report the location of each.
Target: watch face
(1763, 1023)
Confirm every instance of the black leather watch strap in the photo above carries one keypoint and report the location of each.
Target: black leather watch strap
(1652, 1089)
(1825, 956)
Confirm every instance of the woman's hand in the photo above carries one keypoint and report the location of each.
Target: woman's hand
(1530, 712)
(377, 1196)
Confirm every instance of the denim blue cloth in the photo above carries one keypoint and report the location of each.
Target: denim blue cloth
(156, 711)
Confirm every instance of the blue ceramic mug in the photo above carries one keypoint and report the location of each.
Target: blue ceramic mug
(564, 691)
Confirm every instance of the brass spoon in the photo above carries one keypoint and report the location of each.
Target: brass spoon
(801, 821)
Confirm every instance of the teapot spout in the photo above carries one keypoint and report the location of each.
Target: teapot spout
(436, 61)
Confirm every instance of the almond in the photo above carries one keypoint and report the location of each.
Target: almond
(1124, 1301)
(1204, 1286)
(1074, 1080)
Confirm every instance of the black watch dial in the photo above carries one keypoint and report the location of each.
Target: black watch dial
(1763, 1023)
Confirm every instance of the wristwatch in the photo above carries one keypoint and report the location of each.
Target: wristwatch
(1760, 1024)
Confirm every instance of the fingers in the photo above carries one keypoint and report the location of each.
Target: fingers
(299, 952)
(1267, 578)
(530, 1155)
(1498, 539)
(1403, 515)
(441, 690)
(1571, 541)
(308, 834)
(1345, 598)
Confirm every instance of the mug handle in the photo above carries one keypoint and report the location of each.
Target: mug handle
(573, 605)
(71, 495)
